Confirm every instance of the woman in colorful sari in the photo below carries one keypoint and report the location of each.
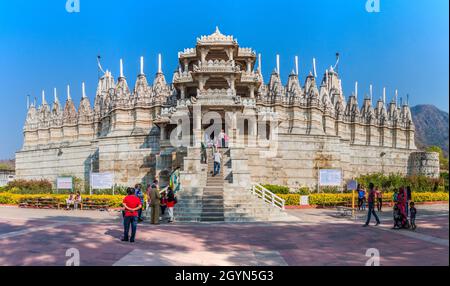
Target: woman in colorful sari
(175, 180)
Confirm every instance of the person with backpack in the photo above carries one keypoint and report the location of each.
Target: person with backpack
(140, 195)
(171, 201)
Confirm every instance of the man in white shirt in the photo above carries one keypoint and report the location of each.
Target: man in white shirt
(217, 161)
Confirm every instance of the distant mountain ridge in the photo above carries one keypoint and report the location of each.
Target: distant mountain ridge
(431, 127)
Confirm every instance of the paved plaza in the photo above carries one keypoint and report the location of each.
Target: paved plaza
(42, 237)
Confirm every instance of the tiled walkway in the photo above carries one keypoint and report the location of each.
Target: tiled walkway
(42, 237)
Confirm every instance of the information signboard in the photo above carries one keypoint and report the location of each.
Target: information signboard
(102, 181)
(330, 177)
(64, 183)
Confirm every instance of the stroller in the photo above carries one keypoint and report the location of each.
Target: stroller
(400, 218)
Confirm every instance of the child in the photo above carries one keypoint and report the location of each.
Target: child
(397, 218)
(163, 204)
(412, 213)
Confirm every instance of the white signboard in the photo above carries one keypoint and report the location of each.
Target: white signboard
(64, 183)
(304, 200)
(352, 185)
(330, 177)
(102, 180)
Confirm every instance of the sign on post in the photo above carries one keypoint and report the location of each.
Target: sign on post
(304, 200)
(330, 177)
(101, 181)
(352, 185)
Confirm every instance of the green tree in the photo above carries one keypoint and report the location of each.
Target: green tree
(443, 161)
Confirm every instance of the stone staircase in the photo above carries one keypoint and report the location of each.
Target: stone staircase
(221, 200)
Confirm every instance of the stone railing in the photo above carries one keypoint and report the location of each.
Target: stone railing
(191, 52)
(183, 77)
(246, 52)
(216, 66)
(250, 77)
(216, 93)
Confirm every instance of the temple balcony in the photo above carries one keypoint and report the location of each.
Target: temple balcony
(216, 66)
(217, 97)
(188, 53)
(246, 52)
(183, 77)
(250, 77)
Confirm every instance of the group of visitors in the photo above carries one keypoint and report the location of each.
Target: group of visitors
(159, 202)
(403, 206)
(220, 142)
(74, 200)
(362, 200)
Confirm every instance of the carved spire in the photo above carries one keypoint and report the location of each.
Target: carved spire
(68, 93)
(159, 64)
(314, 67)
(278, 64)
(83, 90)
(55, 96)
(44, 102)
(296, 65)
(142, 66)
(121, 68)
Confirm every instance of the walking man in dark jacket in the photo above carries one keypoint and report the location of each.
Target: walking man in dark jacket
(371, 202)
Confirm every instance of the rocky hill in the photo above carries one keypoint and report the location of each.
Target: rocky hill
(431, 126)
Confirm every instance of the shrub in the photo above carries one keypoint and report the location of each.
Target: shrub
(331, 199)
(303, 191)
(330, 190)
(30, 186)
(277, 189)
(392, 182)
(15, 199)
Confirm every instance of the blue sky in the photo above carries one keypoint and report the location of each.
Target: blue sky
(404, 46)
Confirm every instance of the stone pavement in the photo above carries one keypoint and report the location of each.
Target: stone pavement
(42, 237)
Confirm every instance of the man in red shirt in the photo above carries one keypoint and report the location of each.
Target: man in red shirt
(131, 205)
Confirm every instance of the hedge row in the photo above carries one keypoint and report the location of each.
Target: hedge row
(15, 199)
(331, 199)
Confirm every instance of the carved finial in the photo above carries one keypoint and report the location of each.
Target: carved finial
(121, 68)
(83, 90)
(314, 67)
(55, 96)
(296, 65)
(43, 98)
(259, 63)
(396, 96)
(356, 89)
(68, 93)
(278, 64)
(160, 63)
(370, 92)
(217, 30)
(142, 65)
(384, 95)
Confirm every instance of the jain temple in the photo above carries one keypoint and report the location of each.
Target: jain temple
(280, 133)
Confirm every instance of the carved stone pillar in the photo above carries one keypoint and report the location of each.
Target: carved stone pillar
(182, 92)
(252, 91)
(197, 125)
(186, 65)
(249, 66)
